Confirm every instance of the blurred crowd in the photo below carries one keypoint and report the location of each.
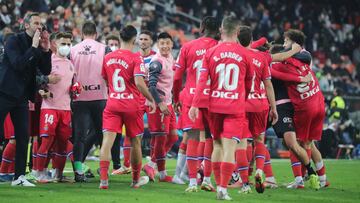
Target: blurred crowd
(332, 27)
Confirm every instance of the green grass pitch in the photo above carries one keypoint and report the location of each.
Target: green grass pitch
(342, 174)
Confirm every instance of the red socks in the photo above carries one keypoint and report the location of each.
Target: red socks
(242, 164)
(226, 172)
(267, 167)
(136, 169)
(42, 156)
(217, 175)
(170, 141)
(126, 150)
(295, 164)
(152, 149)
(192, 158)
(200, 153)
(8, 159)
(207, 157)
(104, 167)
(260, 152)
(159, 152)
(35, 148)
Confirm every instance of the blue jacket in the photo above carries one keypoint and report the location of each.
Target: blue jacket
(19, 65)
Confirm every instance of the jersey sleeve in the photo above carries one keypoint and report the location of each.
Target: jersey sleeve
(139, 69)
(180, 64)
(204, 75)
(266, 74)
(180, 67)
(155, 68)
(103, 70)
(258, 43)
(281, 72)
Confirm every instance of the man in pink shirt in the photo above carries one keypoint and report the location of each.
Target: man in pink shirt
(162, 123)
(87, 58)
(55, 116)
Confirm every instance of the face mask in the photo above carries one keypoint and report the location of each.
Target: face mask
(64, 50)
(113, 48)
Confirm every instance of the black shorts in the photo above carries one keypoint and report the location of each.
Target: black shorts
(285, 122)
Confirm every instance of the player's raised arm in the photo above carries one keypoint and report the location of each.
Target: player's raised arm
(295, 48)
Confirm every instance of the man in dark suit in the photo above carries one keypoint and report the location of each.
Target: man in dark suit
(24, 53)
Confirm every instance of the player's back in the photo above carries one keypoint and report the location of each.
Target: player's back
(191, 58)
(228, 66)
(119, 69)
(256, 99)
(303, 95)
(87, 58)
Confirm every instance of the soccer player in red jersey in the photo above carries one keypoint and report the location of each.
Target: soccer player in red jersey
(162, 123)
(124, 72)
(305, 96)
(190, 60)
(285, 127)
(257, 110)
(227, 66)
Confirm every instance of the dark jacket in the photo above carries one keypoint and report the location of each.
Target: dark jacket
(18, 68)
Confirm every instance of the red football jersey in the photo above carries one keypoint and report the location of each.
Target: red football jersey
(257, 99)
(190, 60)
(302, 95)
(119, 70)
(228, 66)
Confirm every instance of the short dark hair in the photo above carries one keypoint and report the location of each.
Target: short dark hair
(245, 35)
(89, 28)
(164, 35)
(276, 48)
(230, 24)
(296, 36)
(147, 32)
(111, 37)
(66, 35)
(28, 16)
(27, 19)
(210, 24)
(127, 33)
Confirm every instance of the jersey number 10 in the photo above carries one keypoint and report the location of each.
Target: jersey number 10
(228, 76)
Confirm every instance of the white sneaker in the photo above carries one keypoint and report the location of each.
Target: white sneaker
(104, 184)
(178, 180)
(143, 180)
(223, 196)
(44, 178)
(296, 185)
(245, 189)
(21, 181)
(271, 185)
(121, 171)
(184, 177)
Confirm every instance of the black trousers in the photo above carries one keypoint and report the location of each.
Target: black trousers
(115, 152)
(19, 112)
(87, 126)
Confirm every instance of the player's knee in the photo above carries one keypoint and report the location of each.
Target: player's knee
(136, 142)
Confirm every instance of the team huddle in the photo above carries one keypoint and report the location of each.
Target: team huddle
(235, 88)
